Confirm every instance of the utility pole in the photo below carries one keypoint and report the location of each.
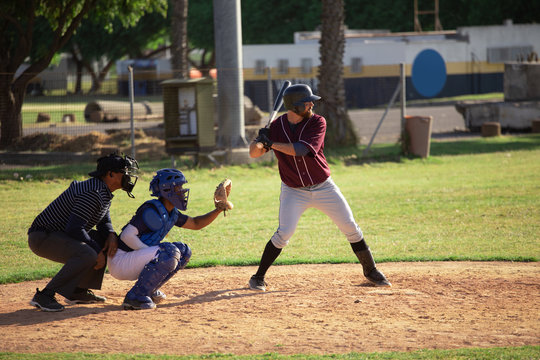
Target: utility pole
(228, 45)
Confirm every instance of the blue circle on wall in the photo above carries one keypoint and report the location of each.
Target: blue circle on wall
(428, 73)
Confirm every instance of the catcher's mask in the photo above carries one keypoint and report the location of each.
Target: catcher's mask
(120, 164)
(168, 183)
(296, 95)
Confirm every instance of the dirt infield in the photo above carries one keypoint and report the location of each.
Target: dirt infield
(310, 309)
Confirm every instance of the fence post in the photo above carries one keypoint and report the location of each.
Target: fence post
(403, 79)
(269, 88)
(131, 100)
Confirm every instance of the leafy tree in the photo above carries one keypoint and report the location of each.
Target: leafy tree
(458, 13)
(103, 44)
(200, 29)
(21, 21)
(398, 15)
(331, 86)
(275, 22)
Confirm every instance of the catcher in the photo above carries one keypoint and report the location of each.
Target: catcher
(142, 255)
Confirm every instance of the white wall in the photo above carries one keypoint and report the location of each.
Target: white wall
(482, 37)
(271, 53)
(388, 50)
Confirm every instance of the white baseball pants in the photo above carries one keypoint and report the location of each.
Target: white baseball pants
(326, 197)
(128, 265)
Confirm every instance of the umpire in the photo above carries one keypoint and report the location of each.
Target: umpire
(64, 233)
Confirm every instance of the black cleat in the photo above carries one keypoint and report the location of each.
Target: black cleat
(257, 283)
(378, 278)
(45, 301)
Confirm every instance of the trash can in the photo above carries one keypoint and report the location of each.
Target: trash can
(418, 129)
(535, 126)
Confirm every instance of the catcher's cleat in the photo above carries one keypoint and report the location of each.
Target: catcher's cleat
(158, 296)
(85, 296)
(378, 278)
(257, 283)
(45, 301)
(140, 303)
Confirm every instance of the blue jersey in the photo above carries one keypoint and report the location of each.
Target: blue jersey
(153, 223)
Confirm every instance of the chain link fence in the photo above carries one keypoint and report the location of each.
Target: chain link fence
(61, 113)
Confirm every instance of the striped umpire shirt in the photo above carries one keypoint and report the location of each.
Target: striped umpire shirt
(88, 200)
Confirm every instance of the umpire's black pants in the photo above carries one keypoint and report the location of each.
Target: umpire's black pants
(78, 258)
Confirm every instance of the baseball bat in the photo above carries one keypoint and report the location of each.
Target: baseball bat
(277, 105)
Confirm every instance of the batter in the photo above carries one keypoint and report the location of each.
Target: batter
(297, 139)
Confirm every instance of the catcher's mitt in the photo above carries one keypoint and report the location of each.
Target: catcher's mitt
(221, 195)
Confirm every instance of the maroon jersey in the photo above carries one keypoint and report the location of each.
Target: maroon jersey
(301, 171)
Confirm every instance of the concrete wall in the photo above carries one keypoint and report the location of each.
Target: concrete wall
(521, 81)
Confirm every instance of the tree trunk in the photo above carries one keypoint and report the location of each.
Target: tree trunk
(206, 66)
(102, 75)
(179, 43)
(10, 111)
(79, 65)
(78, 79)
(333, 107)
(97, 78)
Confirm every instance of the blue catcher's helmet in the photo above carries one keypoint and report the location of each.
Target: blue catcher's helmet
(168, 183)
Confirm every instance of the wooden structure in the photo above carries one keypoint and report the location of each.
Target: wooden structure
(188, 113)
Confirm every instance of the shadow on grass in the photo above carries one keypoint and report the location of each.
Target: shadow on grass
(73, 171)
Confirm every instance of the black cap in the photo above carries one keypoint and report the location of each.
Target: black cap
(112, 162)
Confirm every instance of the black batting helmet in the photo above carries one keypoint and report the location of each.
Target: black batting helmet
(296, 95)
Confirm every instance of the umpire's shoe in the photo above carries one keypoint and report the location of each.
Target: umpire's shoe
(46, 301)
(257, 283)
(85, 296)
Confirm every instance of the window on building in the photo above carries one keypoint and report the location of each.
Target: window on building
(283, 66)
(508, 53)
(306, 66)
(356, 65)
(260, 67)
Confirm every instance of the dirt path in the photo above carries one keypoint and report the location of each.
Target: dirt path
(316, 309)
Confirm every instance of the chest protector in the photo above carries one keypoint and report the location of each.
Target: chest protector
(159, 222)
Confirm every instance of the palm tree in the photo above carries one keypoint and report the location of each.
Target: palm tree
(179, 42)
(331, 86)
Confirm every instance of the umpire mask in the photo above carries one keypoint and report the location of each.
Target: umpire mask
(120, 164)
(129, 179)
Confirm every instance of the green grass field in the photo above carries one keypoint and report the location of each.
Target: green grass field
(471, 200)
(513, 353)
